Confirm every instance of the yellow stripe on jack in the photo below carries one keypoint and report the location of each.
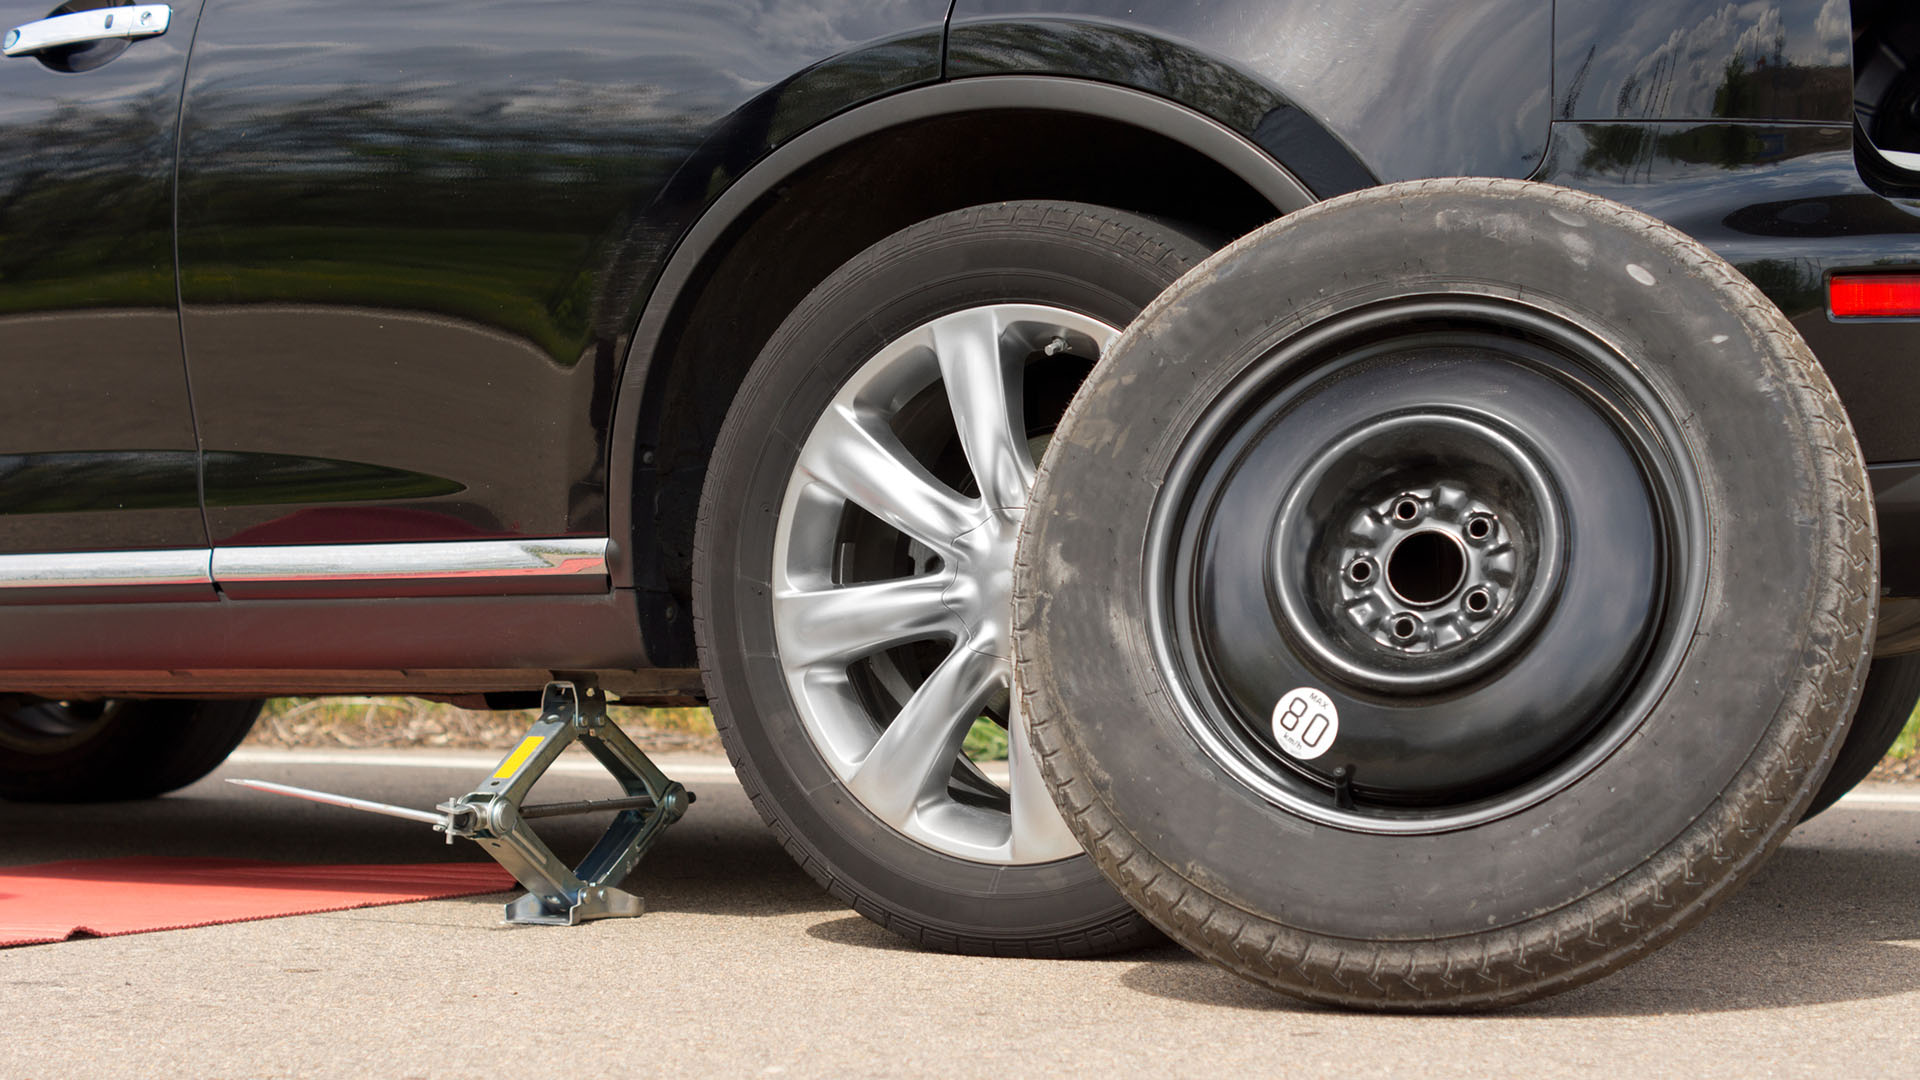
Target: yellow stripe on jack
(519, 756)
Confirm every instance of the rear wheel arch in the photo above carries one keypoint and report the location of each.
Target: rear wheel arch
(827, 194)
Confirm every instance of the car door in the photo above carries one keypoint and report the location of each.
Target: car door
(415, 236)
(97, 451)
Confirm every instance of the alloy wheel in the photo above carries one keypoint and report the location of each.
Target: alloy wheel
(892, 575)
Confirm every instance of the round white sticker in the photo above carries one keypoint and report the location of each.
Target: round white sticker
(1305, 723)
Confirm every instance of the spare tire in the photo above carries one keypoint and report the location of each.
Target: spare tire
(1445, 595)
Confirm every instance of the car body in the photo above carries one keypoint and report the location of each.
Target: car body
(377, 347)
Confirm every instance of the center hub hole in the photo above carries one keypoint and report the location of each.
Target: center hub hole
(1426, 567)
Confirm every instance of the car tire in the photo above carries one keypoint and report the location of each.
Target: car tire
(841, 468)
(1886, 704)
(107, 751)
(1356, 787)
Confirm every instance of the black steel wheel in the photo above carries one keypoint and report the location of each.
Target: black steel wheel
(110, 750)
(1401, 483)
(1444, 595)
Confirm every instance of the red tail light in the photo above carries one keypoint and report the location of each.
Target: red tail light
(1874, 296)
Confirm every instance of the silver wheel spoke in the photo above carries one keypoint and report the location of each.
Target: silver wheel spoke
(834, 642)
(1040, 834)
(984, 389)
(844, 624)
(917, 752)
(863, 463)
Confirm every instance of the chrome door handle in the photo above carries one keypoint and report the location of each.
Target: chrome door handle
(98, 24)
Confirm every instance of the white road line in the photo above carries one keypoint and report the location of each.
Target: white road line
(705, 767)
(1884, 800)
(467, 761)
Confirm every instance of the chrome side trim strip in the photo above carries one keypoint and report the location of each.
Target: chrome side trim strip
(106, 569)
(445, 568)
(440, 560)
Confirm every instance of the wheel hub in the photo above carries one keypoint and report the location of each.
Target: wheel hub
(981, 593)
(1418, 551)
(1418, 578)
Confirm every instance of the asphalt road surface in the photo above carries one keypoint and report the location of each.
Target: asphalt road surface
(742, 967)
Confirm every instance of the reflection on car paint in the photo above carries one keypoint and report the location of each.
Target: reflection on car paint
(89, 338)
(1785, 204)
(1387, 89)
(1702, 59)
(427, 250)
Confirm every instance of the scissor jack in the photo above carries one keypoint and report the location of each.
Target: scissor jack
(493, 815)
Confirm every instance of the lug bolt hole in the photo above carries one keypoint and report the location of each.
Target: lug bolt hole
(1406, 510)
(1478, 601)
(1479, 527)
(1361, 571)
(1404, 626)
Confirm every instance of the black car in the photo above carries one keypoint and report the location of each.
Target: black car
(708, 350)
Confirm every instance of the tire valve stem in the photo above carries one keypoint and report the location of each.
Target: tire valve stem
(1343, 787)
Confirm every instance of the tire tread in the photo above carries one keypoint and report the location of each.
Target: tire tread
(1651, 904)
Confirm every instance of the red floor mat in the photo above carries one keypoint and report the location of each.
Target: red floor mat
(102, 897)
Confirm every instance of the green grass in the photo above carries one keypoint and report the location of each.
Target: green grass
(378, 721)
(987, 741)
(1909, 740)
(402, 721)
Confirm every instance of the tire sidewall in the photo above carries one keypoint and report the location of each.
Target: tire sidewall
(144, 749)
